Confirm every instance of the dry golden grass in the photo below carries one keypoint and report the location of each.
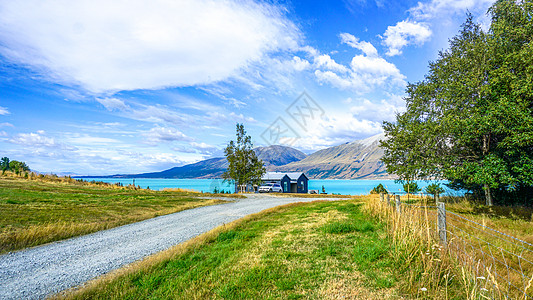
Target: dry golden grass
(34, 212)
(414, 234)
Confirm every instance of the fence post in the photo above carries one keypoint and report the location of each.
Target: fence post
(381, 197)
(441, 222)
(398, 204)
(388, 199)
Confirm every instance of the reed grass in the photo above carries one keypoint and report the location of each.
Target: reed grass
(463, 268)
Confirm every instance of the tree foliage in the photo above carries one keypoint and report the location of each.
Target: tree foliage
(244, 166)
(4, 163)
(434, 189)
(379, 189)
(411, 188)
(471, 119)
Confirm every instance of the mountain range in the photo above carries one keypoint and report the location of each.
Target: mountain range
(356, 160)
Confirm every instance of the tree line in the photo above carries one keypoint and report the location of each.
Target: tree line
(470, 121)
(18, 167)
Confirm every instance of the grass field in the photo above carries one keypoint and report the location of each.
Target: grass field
(34, 212)
(318, 250)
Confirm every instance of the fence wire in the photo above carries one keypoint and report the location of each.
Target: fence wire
(502, 264)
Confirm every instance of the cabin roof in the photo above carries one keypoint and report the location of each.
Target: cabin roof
(293, 176)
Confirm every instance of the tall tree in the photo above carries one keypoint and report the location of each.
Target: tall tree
(473, 113)
(244, 166)
(4, 163)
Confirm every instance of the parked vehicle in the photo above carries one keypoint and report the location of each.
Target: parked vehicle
(270, 188)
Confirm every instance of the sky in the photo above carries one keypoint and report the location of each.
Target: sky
(98, 87)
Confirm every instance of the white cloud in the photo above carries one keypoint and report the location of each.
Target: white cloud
(354, 42)
(3, 111)
(3, 134)
(437, 8)
(404, 33)
(38, 140)
(218, 118)
(326, 62)
(336, 129)
(300, 64)
(384, 110)
(164, 134)
(6, 124)
(365, 74)
(127, 45)
(112, 103)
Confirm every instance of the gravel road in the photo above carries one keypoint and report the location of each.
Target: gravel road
(40, 271)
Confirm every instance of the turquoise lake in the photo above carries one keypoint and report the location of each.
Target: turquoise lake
(337, 186)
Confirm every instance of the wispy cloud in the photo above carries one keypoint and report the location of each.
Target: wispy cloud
(112, 103)
(354, 42)
(110, 46)
(37, 140)
(164, 134)
(4, 111)
(418, 28)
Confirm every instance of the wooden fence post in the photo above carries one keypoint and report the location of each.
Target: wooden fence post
(388, 199)
(441, 222)
(381, 197)
(398, 204)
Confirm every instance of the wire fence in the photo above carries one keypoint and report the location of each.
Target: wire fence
(502, 264)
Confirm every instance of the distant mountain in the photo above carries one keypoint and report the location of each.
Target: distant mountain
(357, 160)
(272, 156)
(278, 155)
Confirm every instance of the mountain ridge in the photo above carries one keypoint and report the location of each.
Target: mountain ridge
(359, 159)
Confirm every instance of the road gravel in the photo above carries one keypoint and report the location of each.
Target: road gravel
(37, 272)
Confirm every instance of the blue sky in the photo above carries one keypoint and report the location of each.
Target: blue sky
(104, 87)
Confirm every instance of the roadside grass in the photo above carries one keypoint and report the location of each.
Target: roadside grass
(471, 257)
(289, 195)
(316, 250)
(34, 212)
(516, 221)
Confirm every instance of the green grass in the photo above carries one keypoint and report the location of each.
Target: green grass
(34, 212)
(304, 251)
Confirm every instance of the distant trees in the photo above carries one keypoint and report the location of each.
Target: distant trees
(470, 120)
(434, 189)
(13, 165)
(244, 166)
(4, 164)
(379, 189)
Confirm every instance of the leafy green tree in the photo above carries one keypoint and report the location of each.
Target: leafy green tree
(244, 166)
(18, 167)
(4, 163)
(379, 189)
(472, 115)
(434, 189)
(411, 188)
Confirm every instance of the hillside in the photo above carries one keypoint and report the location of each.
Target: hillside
(357, 160)
(272, 156)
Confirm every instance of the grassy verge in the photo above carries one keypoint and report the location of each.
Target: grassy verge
(475, 264)
(318, 250)
(34, 212)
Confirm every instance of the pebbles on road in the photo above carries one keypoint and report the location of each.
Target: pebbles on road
(37, 272)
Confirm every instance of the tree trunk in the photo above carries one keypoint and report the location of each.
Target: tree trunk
(488, 197)
(486, 187)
